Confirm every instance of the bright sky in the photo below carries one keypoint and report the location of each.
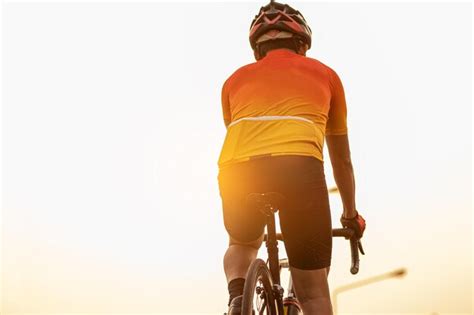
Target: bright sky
(112, 128)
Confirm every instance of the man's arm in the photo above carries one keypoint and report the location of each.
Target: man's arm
(340, 155)
(338, 146)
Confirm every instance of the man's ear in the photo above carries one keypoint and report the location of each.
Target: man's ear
(256, 54)
(303, 49)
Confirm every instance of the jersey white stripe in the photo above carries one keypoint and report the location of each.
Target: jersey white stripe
(263, 118)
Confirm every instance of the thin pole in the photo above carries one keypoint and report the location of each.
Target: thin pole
(392, 274)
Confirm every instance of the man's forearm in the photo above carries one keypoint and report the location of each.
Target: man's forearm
(340, 154)
(344, 177)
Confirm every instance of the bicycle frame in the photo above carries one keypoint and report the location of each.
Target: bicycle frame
(271, 243)
(273, 262)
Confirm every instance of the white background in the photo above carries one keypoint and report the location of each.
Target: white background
(112, 126)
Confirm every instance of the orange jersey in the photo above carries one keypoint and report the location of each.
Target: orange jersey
(283, 104)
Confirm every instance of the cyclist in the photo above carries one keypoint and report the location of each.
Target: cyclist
(278, 111)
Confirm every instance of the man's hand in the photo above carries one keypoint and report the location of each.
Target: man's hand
(356, 223)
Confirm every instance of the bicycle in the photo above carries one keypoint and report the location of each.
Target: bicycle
(262, 284)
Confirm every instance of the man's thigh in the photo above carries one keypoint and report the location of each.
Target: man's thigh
(306, 227)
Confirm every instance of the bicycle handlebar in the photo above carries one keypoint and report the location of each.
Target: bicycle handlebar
(356, 245)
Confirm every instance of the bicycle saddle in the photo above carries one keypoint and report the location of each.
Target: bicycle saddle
(268, 202)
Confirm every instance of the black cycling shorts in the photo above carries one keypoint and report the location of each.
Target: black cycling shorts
(305, 218)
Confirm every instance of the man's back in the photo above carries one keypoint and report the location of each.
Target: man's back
(283, 104)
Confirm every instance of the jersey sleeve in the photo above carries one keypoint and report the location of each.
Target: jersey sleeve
(225, 104)
(337, 116)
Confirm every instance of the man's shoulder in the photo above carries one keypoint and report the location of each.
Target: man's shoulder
(319, 64)
(239, 74)
(243, 70)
